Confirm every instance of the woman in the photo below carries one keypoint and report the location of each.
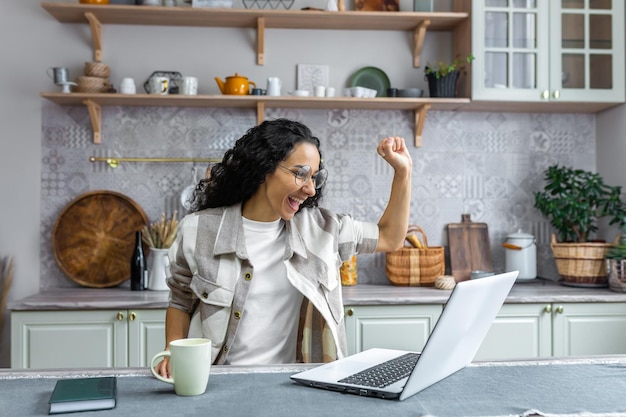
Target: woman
(255, 267)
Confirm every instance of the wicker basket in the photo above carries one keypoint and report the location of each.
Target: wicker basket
(581, 264)
(97, 69)
(92, 84)
(414, 267)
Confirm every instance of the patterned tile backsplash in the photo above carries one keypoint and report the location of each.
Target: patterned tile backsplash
(485, 164)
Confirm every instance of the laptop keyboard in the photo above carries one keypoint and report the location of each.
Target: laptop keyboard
(386, 373)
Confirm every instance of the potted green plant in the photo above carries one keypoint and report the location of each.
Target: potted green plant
(573, 200)
(442, 78)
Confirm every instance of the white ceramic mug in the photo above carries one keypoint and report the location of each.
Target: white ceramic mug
(274, 84)
(190, 365)
(158, 85)
(189, 86)
(127, 86)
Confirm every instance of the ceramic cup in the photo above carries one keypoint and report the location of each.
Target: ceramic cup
(127, 86)
(330, 92)
(189, 86)
(158, 85)
(319, 91)
(190, 363)
(258, 92)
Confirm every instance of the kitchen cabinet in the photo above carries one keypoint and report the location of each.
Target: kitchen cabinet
(548, 52)
(520, 331)
(555, 329)
(390, 326)
(260, 19)
(86, 339)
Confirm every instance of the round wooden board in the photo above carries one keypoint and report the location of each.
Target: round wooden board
(94, 236)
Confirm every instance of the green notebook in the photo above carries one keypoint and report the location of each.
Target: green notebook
(83, 394)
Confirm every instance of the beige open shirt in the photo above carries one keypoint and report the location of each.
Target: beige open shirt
(210, 271)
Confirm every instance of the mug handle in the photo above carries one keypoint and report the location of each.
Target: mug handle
(157, 376)
(49, 73)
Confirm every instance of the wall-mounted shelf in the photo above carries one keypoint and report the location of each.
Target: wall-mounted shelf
(98, 15)
(94, 102)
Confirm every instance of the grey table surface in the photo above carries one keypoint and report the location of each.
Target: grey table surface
(583, 387)
(534, 291)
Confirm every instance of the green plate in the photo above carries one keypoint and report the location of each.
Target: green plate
(371, 77)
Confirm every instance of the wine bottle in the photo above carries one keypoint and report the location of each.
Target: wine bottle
(138, 267)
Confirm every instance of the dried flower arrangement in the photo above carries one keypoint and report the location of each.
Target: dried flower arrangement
(161, 234)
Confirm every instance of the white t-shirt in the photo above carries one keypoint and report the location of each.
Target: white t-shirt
(268, 331)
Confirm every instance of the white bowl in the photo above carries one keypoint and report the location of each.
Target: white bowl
(300, 93)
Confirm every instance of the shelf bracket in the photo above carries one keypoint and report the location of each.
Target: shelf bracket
(95, 114)
(418, 41)
(260, 112)
(260, 41)
(420, 117)
(96, 35)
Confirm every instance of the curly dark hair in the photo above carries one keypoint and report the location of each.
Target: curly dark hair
(245, 166)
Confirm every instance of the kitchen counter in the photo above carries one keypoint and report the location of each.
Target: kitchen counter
(535, 291)
(563, 387)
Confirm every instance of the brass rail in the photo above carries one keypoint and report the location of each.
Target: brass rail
(114, 162)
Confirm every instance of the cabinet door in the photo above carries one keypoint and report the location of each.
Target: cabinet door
(587, 50)
(519, 331)
(68, 339)
(146, 335)
(511, 47)
(405, 327)
(589, 329)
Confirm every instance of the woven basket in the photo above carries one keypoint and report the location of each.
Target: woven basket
(97, 69)
(581, 264)
(415, 267)
(92, 84)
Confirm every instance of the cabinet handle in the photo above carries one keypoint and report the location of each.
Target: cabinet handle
(545, 95)
(132, 316)
(350, 312)
(120, 316)
(548, 308)
(557, 94)
(559, 309)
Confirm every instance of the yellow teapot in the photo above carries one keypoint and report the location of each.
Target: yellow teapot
(235, 84)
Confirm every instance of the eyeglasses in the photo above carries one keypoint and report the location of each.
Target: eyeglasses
(303, 175)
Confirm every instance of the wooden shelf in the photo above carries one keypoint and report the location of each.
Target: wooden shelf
(97, 15)
(95, 101)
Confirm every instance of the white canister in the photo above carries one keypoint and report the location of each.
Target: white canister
(521, 254)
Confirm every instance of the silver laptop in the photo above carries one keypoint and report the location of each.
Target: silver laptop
(452, 345)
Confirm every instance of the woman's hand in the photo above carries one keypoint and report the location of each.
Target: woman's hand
(163, 368)
(394, 151)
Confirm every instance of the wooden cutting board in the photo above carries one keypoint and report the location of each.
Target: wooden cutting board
(469, 248)
(94, 236)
